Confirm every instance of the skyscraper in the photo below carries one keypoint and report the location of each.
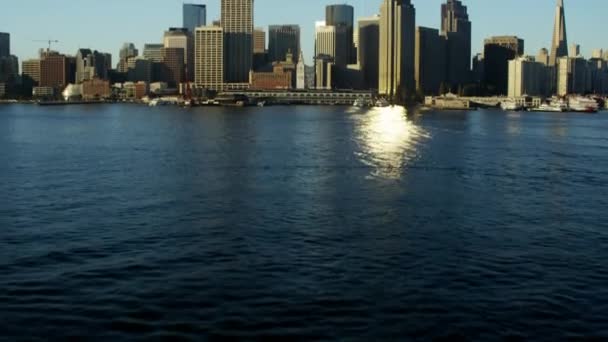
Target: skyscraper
(182, 39)
(5, 44)
(127, 51)
(153, 53)
(209, 57)
(456, 27)
(237, 26)
(283, 39)
(342, 17)
(559, 47)
(498, 51)
(259, 40)
(173, 66)
(369, 35)
(194, 15)
(397, 45)
(430, 59)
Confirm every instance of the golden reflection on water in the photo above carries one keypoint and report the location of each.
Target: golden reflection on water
(388, 141)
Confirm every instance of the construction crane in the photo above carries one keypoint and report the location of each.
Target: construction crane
(49, 41)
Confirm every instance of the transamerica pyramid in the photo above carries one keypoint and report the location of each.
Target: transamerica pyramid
(559, 47)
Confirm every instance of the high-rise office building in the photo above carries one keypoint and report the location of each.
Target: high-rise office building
(397, 48)
(430, 61)
(237, 26)
(30, 72)
(342, 17)
(281, 40)
(128, 50)
(140, 70)
(91, 64)
(209, 57)
(181, 38)
(527, 77)
(498, 51)
(330, 42)
(456, 27)
(153, 53)
(54, 70)
(559, 46)
(259, 40)
(194, 15)
(573, 76)
(367, 51)
(575, 50)
(173, 66)
(5, 44)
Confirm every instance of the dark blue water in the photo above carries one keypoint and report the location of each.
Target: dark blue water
(311, 223)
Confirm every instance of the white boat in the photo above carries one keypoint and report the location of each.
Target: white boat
(510, 105)
(583, 105)
(550, 107)
(382, 103)
(360, 103)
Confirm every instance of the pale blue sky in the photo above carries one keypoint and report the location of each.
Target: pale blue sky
(105, 25)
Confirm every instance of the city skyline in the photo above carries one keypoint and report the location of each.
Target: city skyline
(537, 34)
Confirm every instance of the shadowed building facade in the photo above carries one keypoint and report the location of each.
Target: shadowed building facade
(559, 44)
(342, 17)
(430, 62)
(498, 51)
(456, 28)
(397, 49)
(237, 25)
(368, 59)
(281, 40)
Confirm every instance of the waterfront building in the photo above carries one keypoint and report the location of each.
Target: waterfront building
(559, 45)
(368, 49)
(95, 89)
(54, 70)
(194, 15)
(134, 90)
(181, 38)
(209, 57)
(5, 44)
(599, 75)
(430, 60)
(575, 50)
(456, 27)
(498, 51)
(127, 51)
(283, 39)
(342, 17)
(323, 72)
(277, 79)
(527, 77)
(573, 76)
(397, 49)
(301, 72)
(237, 25)
(173, 66)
